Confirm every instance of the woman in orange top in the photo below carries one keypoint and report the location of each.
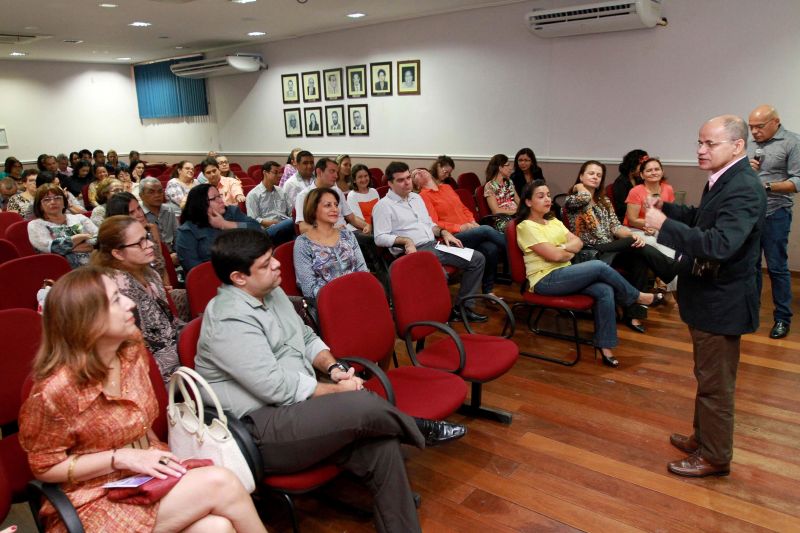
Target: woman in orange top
(447, 212)
(88, 421)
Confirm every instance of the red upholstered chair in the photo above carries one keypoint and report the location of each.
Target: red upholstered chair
(21, 279)
(85, 194)
(246, 188)
(422, 306)
(285, 485)
(246, 180)
(567, 305)
(243, 207)
(485, 215)
(5, 494)
(236, 167)
(201, 287)
(172, 274)
(610, 194)
(468, 199)
(285, 256)
(7, 251)
(377, 177)
(451, 182)
(242, 175)
(6, 219)
(160, 390)
(17, 234)
(355, 320)
(254, 171)
(382, 190)
(469, 181)
(22, 332)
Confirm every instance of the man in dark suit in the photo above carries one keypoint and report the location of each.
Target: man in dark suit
(718, 250)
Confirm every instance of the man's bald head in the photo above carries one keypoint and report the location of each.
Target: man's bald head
(764, 122)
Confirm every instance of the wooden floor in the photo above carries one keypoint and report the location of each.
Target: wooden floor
(588, 447)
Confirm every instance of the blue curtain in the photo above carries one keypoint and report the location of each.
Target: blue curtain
(162, 94)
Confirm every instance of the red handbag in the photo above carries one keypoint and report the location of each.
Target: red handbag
(155, 489)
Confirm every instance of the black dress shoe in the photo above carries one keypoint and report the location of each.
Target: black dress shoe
(635, 327)
(638, 311)
(779, 330)
(472, 316)
(439, 431)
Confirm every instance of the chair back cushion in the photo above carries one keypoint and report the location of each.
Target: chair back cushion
(160, 390)
(354, 317)
(17, 233)
(469, 181)
(22, 334)
(187, 342)
(480, 201)
(468, 199)
(516, 261)
(7, 251)
(285, 256)
(169, 266)
(419, 292)
(201, 286)
(6, 219)
(21, 279)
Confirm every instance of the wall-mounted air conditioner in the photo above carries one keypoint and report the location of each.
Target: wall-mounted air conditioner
(595, 18)
(219, 66)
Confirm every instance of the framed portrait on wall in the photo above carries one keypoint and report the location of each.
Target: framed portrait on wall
(291, 88)
(381, 76)
(332, 79)
(408, 73)
(358, 119)
(291, 121)
(313, 120)
(311, 87)
(356, 81)
(334, 120)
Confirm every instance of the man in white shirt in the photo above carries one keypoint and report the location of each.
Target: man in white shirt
(327, 172)
(402, 222)
(303, 178)
(268, 204)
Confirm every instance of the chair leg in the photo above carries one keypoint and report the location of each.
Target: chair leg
(474, 408)
(292, 514)
(575, 337)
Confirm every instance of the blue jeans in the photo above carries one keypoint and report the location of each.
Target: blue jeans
(774, 243)
(601, 282)
(492, 244)
(281, 232)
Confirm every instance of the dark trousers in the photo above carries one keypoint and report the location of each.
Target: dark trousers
(716, 359)
(358, 431)
(775, 244)
(636, 262)
(471, 271)
(492, 244)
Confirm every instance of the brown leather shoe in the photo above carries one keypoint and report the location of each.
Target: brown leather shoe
(695, 466)
(684, 443)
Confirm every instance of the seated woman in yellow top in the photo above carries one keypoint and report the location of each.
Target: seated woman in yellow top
(548, 248)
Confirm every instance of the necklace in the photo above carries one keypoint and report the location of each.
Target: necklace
(112, 379)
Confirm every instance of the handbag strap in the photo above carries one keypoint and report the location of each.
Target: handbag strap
(199, 380)
(182, 379)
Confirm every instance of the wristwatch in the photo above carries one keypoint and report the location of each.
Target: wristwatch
(341, 365)
(768, 187)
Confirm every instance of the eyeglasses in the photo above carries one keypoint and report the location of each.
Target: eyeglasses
(52, 199)
(214, 198)
(711, 144)
(759, 126)
(141, 243)
(222, 161)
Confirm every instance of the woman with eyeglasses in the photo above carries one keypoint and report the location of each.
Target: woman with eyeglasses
(124, 245)
(181, 183)
(499, 191)
(58, 232)
(22, 202)
(203, 217)
(105, 190)
(11, 169)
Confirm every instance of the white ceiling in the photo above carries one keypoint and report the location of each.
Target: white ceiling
(195, 25)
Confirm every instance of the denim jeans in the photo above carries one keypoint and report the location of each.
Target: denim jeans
(774, 243)
(492, 244)
(281, 232)
(601, 282)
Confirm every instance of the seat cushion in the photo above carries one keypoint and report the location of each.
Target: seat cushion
(15, 466)
(424, 392)
(578, 302)
(304, 481)
(488, 357)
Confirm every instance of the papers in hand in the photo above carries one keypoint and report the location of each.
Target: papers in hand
(463, 253)
(128, 482)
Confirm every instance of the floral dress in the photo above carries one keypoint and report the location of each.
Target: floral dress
(316, 264)
(51, 237)
(504, 196)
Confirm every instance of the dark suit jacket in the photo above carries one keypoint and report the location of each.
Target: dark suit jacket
(381, 86)
(726, 227)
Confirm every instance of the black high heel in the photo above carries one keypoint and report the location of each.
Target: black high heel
(608, 360)
(658, 299)
(639, 328)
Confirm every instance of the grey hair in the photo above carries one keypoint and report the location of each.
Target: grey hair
(735, 127)
(145, 183)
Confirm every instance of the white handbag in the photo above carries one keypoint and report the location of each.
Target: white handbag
(191, 437)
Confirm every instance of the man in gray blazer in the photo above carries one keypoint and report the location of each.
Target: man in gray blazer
(718, 250)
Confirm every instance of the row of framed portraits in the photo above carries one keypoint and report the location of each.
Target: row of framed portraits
(336, 123)
(355, 82)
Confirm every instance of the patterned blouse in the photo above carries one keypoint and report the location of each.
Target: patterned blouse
(504, 196)
(316, 264)
(177, 191)
(593, 223)
(61, 418)
(49, 237)
(159, 327)
(19, 204)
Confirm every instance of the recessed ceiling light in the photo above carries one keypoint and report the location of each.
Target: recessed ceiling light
(356, 15)
(18, 54)
(243, 1)
(140, 24)
(256, 33)
(122, 58)
(73, 41)
(107, 5)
